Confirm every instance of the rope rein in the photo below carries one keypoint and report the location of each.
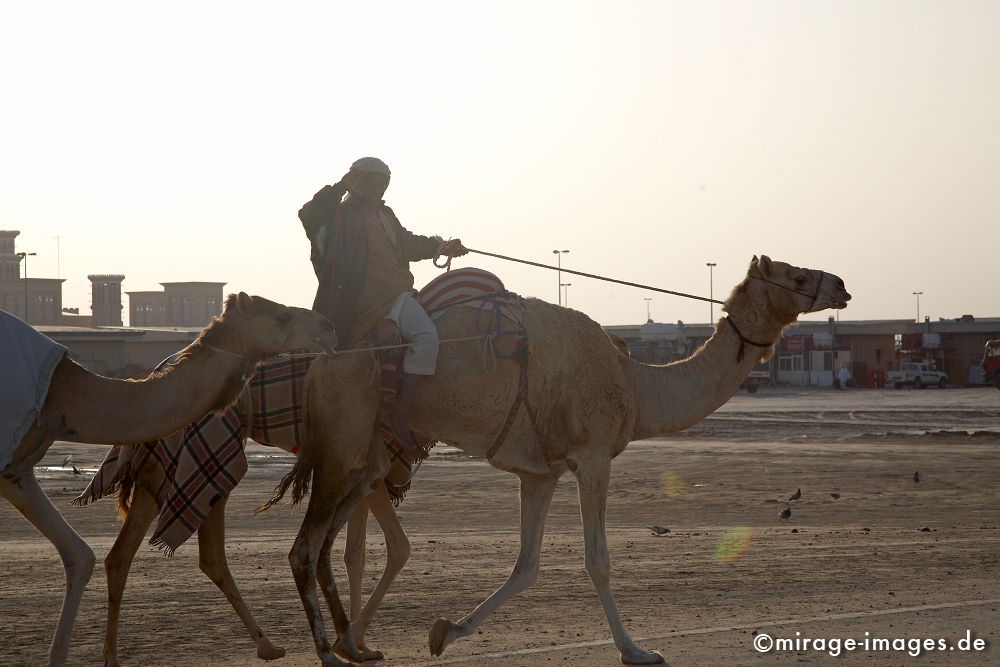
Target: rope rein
(595, 276)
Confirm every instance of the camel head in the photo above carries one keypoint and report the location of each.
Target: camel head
(266, 328)
(789, 291)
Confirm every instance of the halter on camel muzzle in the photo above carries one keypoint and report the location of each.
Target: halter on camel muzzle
(744, 341)
(819, 286)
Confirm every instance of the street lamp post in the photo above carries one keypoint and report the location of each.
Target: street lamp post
(559, 254)
(566, 298)
(649, 318)
(24, 256)
(917, 294)
(711, 310)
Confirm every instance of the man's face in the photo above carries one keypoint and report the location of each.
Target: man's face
(373, 185)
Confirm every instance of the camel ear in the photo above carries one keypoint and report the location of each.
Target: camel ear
(765, 266)
(244, 304)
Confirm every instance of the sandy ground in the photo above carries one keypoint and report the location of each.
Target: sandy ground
(890, 557)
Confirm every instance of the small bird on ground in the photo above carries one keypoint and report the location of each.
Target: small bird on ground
(658, 530)
(76, 472)
(796, 495)
(916, 477)
(785, 514)
(834, 495)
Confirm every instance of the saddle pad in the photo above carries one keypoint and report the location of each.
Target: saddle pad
(27, 361)
(470, 287)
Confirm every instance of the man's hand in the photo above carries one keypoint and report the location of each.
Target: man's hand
(352, 179)
(454, 248)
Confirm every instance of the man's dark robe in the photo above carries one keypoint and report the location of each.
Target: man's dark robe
(338, 235)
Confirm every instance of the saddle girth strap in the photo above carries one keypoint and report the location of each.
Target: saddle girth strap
(519, 400)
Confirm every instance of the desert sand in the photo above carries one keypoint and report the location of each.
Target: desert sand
(890, 557)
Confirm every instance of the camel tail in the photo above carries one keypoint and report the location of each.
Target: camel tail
(125, 495)
(298, 478)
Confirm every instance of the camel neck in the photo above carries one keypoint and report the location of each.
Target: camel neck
(676, 396)
(112, 411)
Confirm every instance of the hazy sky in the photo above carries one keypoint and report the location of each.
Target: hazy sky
(175, 142)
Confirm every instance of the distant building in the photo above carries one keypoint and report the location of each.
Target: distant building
(189, 304)
(34, 300)
(38, 301)
(106, 299)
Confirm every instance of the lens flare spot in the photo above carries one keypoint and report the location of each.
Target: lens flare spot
(672, 484)
(732, 543)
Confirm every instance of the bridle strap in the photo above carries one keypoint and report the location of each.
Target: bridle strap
(815, 295)
(227, 352)
(249, 334)
(744, 341)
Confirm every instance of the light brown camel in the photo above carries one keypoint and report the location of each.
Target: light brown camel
(589, 402)
(84, 407)
(138, 504)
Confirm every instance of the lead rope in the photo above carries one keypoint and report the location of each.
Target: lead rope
(593, 275)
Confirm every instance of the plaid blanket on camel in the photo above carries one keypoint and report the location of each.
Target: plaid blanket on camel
(205, 460)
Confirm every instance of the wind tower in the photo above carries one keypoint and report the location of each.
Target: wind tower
(106, 299)
(10, 264)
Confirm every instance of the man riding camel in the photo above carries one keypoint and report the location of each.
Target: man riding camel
(361, 255)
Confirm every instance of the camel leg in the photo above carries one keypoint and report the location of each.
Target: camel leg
(536, 495)
(212, 560)
(354, 556)
(592, 478)
(345, 645)
(78, 559)
(118, 562)
(304, 558)
(397, 548)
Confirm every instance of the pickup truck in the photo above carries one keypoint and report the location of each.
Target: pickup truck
(917, 375)
(759, 376)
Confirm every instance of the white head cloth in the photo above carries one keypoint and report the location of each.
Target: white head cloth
(373, 165)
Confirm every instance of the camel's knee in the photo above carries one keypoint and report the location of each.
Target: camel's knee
(113, 563)
(398, 556)
(79, 564)
(354, 559)
(599, 570)
(297, 559)
(213, 569)
(301, 561)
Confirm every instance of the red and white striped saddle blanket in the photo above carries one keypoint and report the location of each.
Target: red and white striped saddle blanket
(468, 287)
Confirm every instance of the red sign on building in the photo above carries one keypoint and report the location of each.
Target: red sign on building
(793, 343)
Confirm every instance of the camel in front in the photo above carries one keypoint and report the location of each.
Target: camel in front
(585, 402)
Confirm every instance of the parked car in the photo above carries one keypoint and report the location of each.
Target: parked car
(918, 375)
(759, 376)
(991, 363)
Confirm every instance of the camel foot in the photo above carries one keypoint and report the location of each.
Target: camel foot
(345, 648)
(112, 662)
(371, 654)
(268, 651)
(443, 633)
(330, 660)
(638, 656)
